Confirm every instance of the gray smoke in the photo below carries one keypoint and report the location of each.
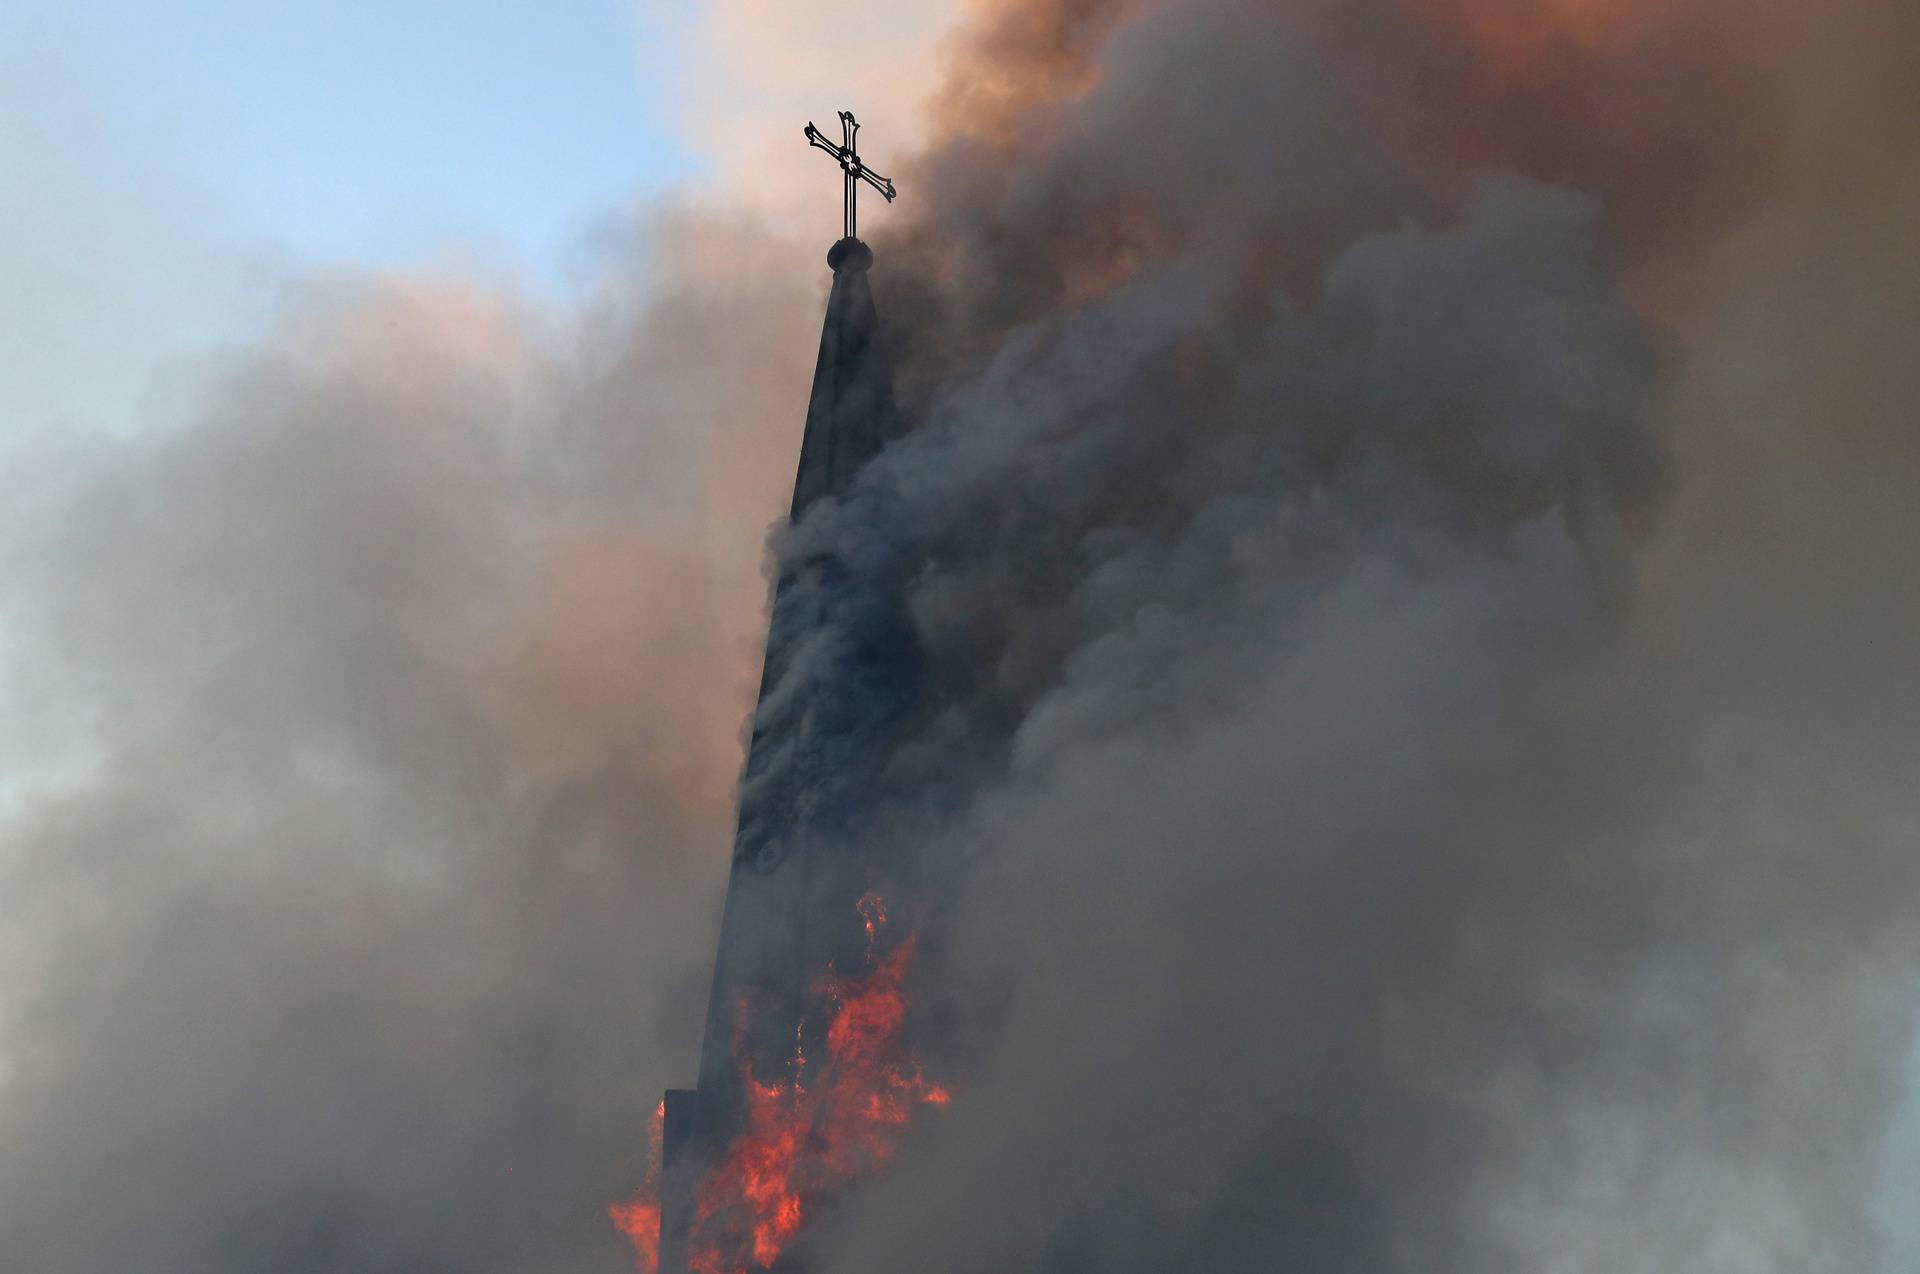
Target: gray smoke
(1429, 820)
(1423, 748)
(377, 714)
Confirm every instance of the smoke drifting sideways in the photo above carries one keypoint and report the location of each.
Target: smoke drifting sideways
(374, 717)
(1412, 532)
(1409, 525)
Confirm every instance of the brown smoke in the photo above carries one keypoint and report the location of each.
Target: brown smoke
(1411, 526)
(1452, 814)
(392, 696)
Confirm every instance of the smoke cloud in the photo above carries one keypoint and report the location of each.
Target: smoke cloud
(368, 903)
(1408, 525)
(1418, 593)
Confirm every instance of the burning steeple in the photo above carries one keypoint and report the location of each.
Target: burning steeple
(804, 1081)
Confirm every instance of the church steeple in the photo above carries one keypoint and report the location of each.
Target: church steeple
(820, 724)
(851, 413)
(841, 677)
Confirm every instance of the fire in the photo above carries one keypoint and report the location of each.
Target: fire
(873, 912)
(805, 1138)
(639, 1220)
(758, 1178)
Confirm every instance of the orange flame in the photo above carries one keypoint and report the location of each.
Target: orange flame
(805, 1139)
(873, 911)
(639, 1219)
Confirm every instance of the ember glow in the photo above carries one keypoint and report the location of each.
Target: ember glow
(805, 1136)
(639, 1220)
(873, 913)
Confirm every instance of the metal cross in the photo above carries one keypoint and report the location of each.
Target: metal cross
(851, 169)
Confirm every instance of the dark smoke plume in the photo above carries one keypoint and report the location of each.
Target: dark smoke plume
(1409, 527)
(1422, 818)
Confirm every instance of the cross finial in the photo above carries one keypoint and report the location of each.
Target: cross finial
(852, 171)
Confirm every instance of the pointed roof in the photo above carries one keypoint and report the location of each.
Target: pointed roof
(821, 732)
(820, 729)
(851, 414)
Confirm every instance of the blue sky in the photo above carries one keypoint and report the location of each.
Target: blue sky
(166, 165)
(375, 130)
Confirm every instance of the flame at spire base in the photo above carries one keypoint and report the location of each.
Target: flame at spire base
(804, 1137)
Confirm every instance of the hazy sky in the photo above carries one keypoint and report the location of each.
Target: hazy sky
(173, 169)
(379, 129)
(167, 161)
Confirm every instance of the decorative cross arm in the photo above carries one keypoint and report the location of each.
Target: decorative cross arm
(852, 170)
